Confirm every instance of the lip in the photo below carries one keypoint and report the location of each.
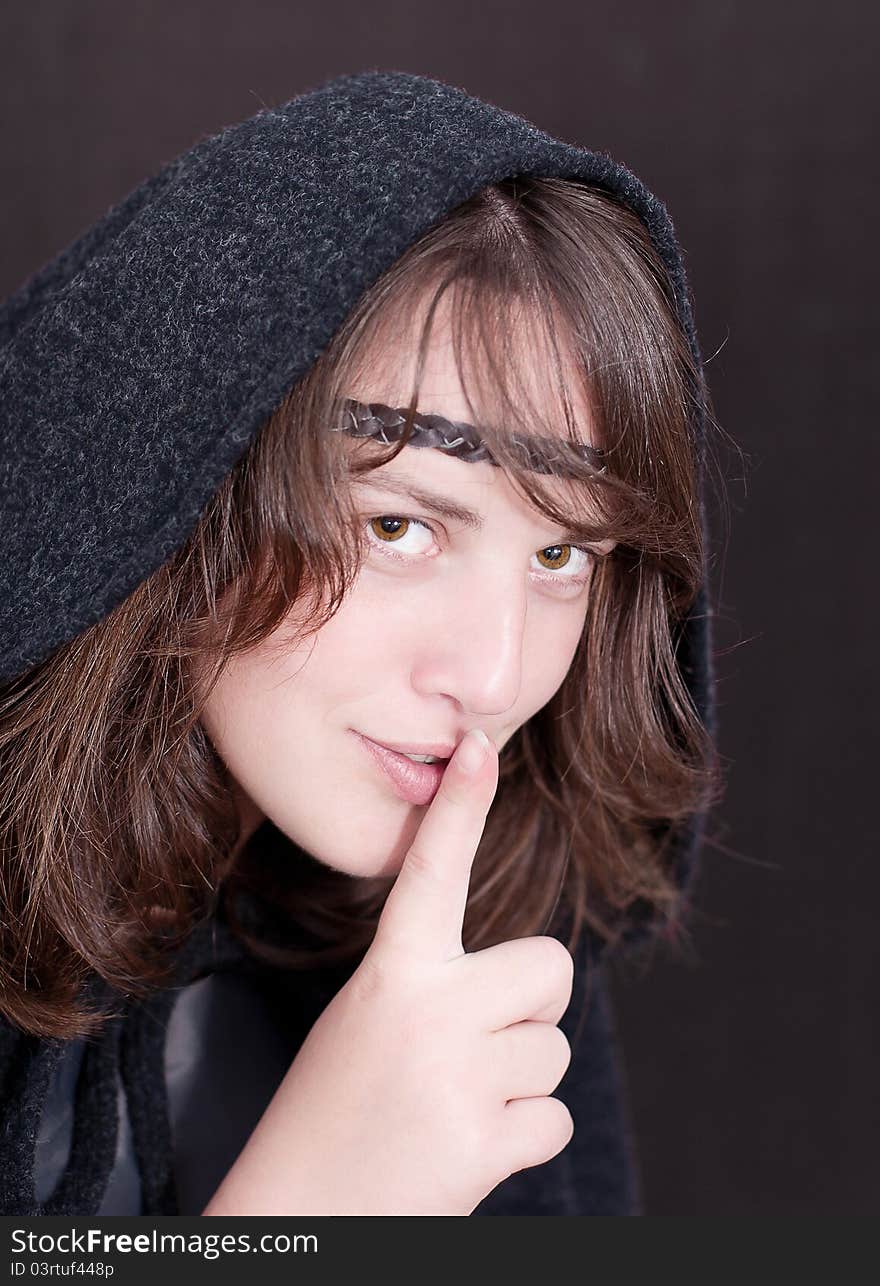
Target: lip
(440, 749)
(414, 783)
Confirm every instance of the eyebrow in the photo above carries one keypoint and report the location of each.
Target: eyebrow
(402, 485)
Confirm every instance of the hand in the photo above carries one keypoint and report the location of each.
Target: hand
(426, 1080)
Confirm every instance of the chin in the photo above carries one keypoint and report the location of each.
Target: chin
(361, 858)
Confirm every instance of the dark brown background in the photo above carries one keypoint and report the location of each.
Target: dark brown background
(753, 1060)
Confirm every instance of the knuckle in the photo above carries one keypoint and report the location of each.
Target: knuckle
(545, 1131)
(369, 980)
(563, 1050)
(558, 959)
(419, 861)
(562, 1120)
(373, 978)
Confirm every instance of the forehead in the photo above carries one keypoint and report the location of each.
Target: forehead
(386, 368)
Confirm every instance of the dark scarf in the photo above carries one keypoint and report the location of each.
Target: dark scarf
(134, 1041)
(597, 1174)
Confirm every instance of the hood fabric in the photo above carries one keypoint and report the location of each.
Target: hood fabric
(135, 370)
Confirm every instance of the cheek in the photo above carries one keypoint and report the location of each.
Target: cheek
(551, 650)
(266, 697)
(238, 715)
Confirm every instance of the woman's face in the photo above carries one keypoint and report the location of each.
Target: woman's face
(450, 625)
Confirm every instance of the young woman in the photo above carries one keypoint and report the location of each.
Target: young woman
(366, 424)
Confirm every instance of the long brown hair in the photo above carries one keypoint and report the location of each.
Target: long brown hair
(119, 828)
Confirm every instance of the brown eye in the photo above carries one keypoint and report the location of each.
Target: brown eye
(556, 560)
(388, 528)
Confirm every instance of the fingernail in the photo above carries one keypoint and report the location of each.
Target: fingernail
(472, 751)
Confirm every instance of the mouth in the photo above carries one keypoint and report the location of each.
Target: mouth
(414, 782)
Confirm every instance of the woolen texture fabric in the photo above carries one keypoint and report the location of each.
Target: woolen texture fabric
(135, 370)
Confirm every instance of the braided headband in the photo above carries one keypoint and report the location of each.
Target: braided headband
(457, 438)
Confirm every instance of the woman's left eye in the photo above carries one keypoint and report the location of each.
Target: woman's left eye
(392, 529)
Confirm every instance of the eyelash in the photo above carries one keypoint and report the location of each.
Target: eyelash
(548, 577)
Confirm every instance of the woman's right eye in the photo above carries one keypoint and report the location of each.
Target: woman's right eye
(389, 530)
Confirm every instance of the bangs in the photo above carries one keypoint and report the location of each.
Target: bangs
(531, 372)
(575, 373)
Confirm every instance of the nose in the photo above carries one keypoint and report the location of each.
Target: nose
(471, 649)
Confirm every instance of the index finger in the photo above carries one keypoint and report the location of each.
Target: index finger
(425, 909)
